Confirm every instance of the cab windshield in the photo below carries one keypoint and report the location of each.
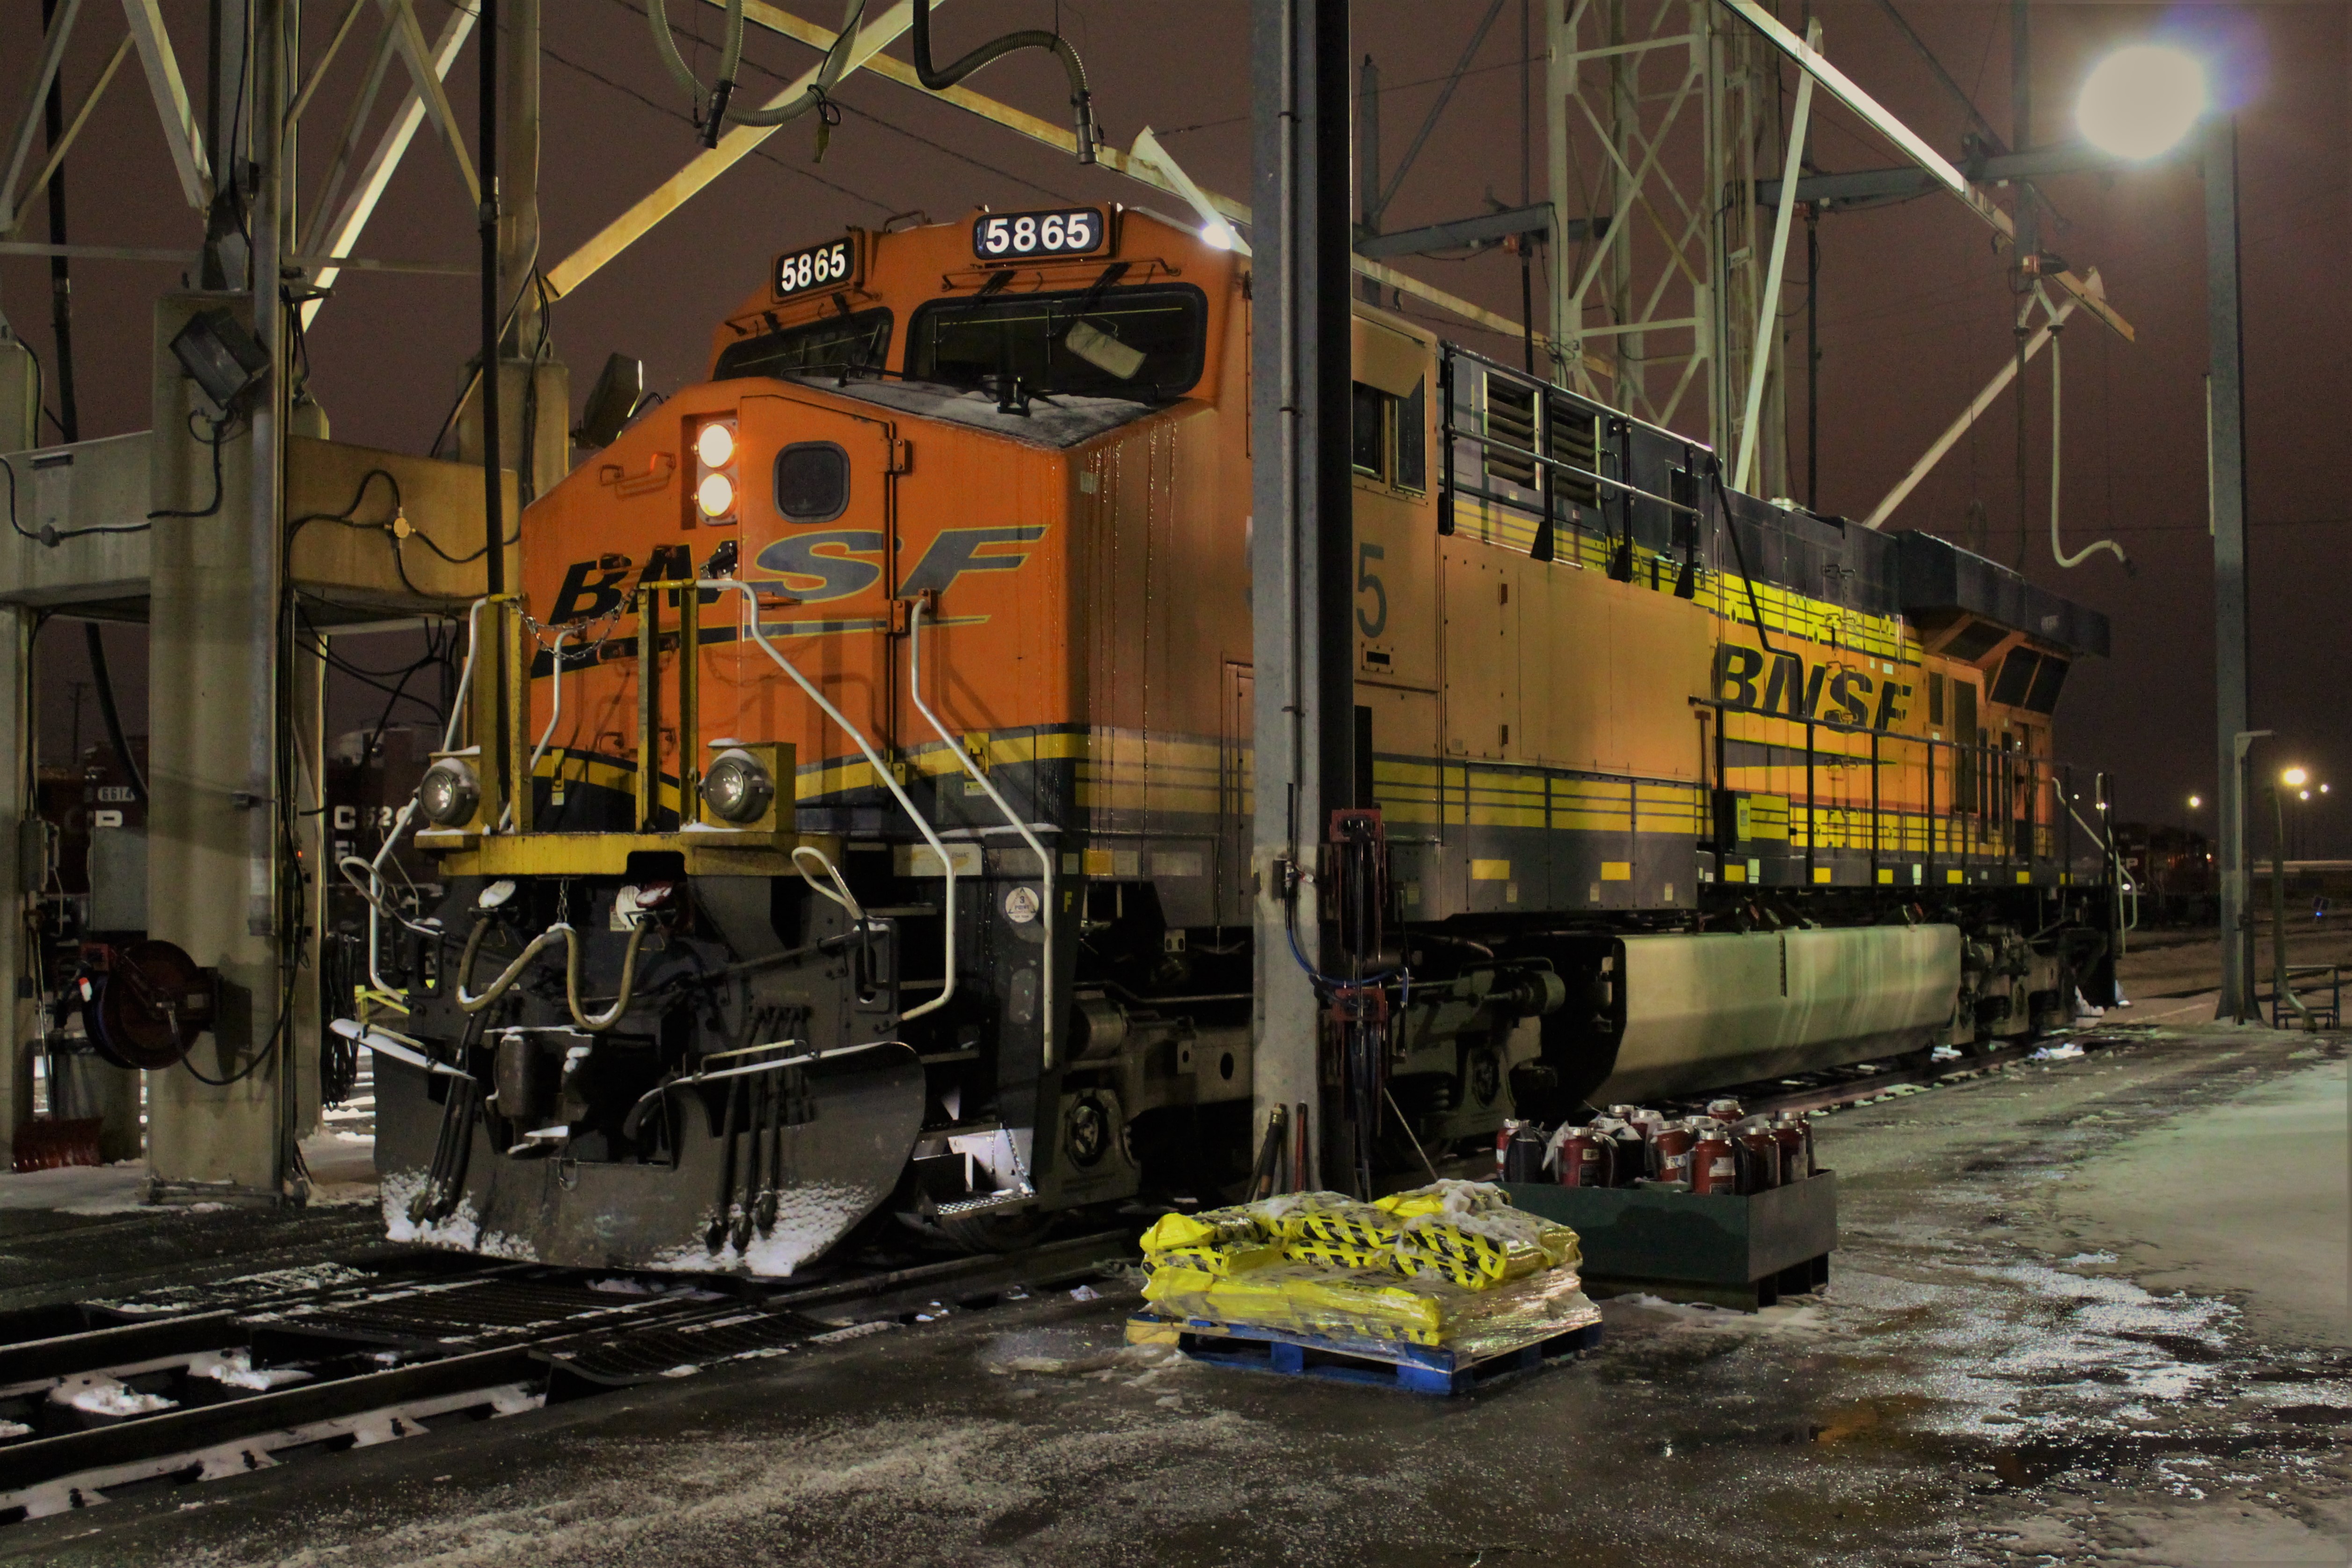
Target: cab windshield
(1143, 343)
(827, 346)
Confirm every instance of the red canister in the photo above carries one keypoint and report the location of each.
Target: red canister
(1670, 1153)
(1760, 1155)
(1714, 1163)
(1796, 1138)
(1586, 1158)
(1725, 1110)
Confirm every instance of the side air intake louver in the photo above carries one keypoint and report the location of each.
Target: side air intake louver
(1511, 419)
(1576, 441)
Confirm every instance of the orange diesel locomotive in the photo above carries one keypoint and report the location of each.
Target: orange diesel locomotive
(857, 819)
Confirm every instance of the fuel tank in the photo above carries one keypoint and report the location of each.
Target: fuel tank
(1702, 1011)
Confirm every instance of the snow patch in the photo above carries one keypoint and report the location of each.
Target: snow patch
(235, 1369)
(100, 1394)
(810, 1219)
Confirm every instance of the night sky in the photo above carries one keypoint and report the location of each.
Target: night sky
(1913, 304)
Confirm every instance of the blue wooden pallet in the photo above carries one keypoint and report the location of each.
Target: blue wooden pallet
(1422, 1369)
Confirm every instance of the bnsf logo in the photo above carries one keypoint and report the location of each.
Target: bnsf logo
(1794, 691)
(829, 563)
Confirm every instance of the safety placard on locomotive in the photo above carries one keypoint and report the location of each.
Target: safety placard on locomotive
(1005, 237)
(816, 266)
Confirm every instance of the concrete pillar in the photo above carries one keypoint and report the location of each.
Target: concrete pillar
(16, 1025)
(20, 394)
(538, 396)
(202, 701)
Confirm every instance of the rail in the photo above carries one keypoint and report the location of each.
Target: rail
(980, 777)
(882, 773)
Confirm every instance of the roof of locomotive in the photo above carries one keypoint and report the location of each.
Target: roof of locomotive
(903, 270)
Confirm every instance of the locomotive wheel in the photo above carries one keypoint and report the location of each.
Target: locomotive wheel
(132, 1020)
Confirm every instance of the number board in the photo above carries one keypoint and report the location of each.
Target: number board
(1006, 237)
(825, 266)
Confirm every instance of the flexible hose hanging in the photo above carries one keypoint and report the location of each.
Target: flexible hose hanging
(560, 932)
(2057, 549)
(730, 55)
(938, 79)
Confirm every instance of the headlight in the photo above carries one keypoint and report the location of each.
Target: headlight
(737, 787)
(716, 495)
(715, 446)
(449, 793)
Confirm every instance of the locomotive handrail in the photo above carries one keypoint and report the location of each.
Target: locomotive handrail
(1455, 433)
(915, 690)
(889, 781)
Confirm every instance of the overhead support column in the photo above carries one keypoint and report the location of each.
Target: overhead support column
(2226, 465)
(534, 393)
(217, 874)
(1302, 533)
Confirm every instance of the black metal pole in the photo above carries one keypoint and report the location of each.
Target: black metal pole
(53, 121)
(1813, 357)
(485, 160)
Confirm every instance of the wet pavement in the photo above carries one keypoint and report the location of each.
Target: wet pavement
(2020, 1360)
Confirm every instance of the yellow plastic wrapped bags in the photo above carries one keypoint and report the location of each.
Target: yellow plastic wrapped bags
(1335, 1254)
(1235, 1260)
(1303, 1298)
(1375, 1306)
(1446, 1196)
(1210, 1227)
(1480, 1249)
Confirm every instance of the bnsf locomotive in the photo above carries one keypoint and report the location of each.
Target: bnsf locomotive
(853, 815)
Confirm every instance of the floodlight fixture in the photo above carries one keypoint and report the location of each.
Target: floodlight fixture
(2141, 101)
(220, 356)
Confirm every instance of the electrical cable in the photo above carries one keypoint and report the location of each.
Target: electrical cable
(94, 644)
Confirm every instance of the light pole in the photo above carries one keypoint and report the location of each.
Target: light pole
(2139, 104)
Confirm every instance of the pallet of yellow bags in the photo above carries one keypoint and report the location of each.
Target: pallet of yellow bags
(1436, 1291)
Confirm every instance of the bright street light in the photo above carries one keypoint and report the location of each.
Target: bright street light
(2139, 102)
(2195, 800)
(2294, 778)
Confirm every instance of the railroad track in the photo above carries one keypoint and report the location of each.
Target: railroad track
(1867, 1081)
(106, 1398)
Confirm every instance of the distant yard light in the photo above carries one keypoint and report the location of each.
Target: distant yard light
(2294, 778)
(2195, 800)
(2304, 795)
(2139, 102)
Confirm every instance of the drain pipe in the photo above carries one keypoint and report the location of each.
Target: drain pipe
(915, 690)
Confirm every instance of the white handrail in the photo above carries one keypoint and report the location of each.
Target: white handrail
(554, 718)
(881, 771)
(915, 690)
